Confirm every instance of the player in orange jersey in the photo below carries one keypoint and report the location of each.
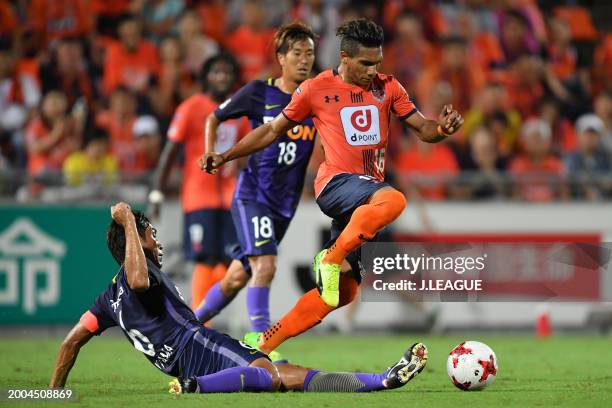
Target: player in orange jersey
(206, 198)
(350, 107)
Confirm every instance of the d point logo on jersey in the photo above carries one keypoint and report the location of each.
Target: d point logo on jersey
(362, 120)
(361, 125)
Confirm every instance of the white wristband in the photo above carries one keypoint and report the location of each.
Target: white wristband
(156, 197)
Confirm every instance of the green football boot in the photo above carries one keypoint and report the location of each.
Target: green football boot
(327, 279)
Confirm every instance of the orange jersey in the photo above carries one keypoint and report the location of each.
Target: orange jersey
(353, 122)
(202, 190)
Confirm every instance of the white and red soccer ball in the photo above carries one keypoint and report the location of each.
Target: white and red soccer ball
(472, 365)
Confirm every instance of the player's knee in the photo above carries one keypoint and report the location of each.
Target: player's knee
(395, 203)
(238, 282)
(233, 281)
(263, 269)
(271, 369)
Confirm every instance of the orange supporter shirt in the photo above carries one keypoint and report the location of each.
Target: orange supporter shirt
(353, 122)
(201, 190)
(134, 70)
(8, 21)
(436, 161)
(122, 142)
(537, 182)
(252, 49)
(53, 158)
(60, 18)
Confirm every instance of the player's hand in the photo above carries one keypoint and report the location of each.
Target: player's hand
(122, 213)
(211, 161)
(450, 120)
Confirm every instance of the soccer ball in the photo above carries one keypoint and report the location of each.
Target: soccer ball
(472, 365)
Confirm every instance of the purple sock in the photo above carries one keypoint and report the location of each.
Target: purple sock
(258, 306)
(317, 381)
(214, 302)
(236, 379)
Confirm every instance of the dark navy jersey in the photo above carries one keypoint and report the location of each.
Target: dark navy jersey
(275, 175)
(156, 321)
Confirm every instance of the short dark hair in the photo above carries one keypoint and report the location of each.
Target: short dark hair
(115, 235)
(221, 57)
(359, 32)
(289, 34)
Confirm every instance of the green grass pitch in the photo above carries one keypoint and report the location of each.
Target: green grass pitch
(561, 371)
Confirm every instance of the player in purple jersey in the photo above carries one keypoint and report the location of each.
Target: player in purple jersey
(269, 188)
(150, 310)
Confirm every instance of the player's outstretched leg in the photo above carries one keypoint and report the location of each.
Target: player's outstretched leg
(222, 293)
(266, 377)
(367, 220)
(233, 379)
(307, 312)
(409, 366)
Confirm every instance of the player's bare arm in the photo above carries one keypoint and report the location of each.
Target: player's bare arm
(135, 262)
(431, 131)
(254, 141)
(210, 132)
(156, 196)
(67, 354)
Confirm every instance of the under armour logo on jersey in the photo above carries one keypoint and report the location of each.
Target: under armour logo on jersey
(356, 97)
(335, 98)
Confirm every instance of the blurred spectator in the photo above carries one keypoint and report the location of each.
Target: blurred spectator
(19, 96)
(175, 81)
(491, 109)
(93, 164)
(158, 16)
(516, 36)
(483, 169)
(196, 47)
(428, 167)
(118, 121)
(586, 166)
(67, 72)
(131, 62)
(323, 17)
(50, 138)
(524, 84)
(537, 173)
(108, 15)
(8, 19)
(433, 20)
(602, 67)
(275, 12)
(251, 42)
(148, 142)
(409, 52)
(58, 19)
(465, 78)
(563, 136)
(213, 16)
(603, 109)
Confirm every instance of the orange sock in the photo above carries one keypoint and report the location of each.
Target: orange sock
(307, 312)
(219, 272)
(201, 280)
(384, 207)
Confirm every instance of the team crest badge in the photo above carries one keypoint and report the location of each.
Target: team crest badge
(378, 93)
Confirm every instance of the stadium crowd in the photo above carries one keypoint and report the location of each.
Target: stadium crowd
(88, 88)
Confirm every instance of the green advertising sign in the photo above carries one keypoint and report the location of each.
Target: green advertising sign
(53, 262)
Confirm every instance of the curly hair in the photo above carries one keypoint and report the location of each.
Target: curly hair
(221, 57)
(289, 34)
(115, 235)
(359, 32)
